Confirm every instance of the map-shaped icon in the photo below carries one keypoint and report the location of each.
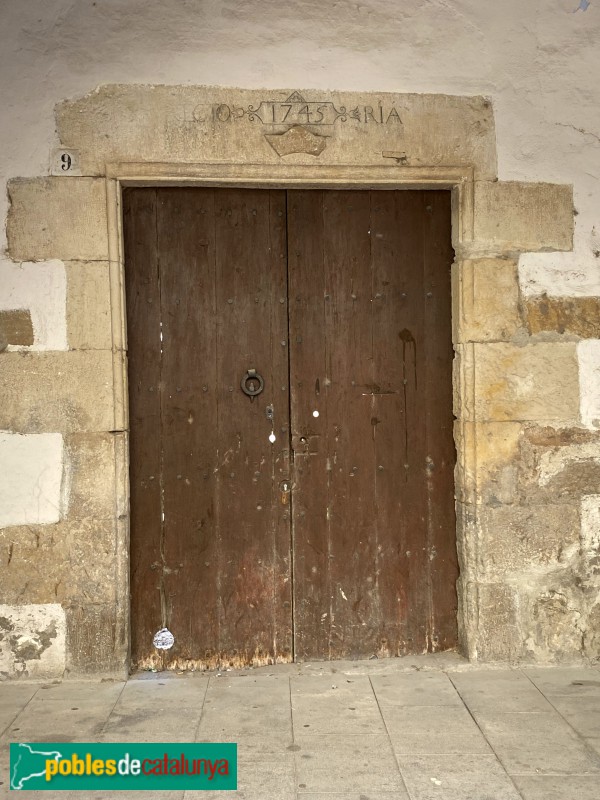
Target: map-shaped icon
(29, 763)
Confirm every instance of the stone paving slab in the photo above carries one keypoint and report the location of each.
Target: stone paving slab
(456, 777)
(594, 743)
(530, 743)
(65, 712)
(255, 712)
(499, 691)
(355, 796)
(433, 729)
(157, 711)
(415, 689)
(408, 729)
(346, 764)
(553, 787)
(260, 780)
(323, 706)
(582, 713)
(13, 703)
(99, 795)
(572, 682)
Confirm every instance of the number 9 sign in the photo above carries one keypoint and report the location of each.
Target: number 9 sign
(65, 162)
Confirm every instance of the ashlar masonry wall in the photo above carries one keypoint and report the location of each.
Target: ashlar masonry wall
(527, 366)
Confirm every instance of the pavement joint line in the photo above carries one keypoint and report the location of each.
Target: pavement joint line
(491, 746)
(208, 683)
(565, 775)
(197, 728)
(408, 792)
(110, 713)
(589, 749)
(18, 714)
(293, 736)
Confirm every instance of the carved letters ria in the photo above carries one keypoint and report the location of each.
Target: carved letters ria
(290, 121)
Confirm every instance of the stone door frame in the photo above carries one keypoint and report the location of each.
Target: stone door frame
(528, 588)
(459, 180)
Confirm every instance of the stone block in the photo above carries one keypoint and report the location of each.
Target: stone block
(196, 124)
(96, 639)
(536, 382)
(485, 296)
(488, 473)
(588, 355)
(590, 539)
(71, 391)
(591, 641)
(578, 316)
(30, 491)
(554, 619)
(70, 562)
(515, 217)
(94, 464)
(558, 465)
(61, 218)
(467, 532)
(32, 641)
(39, 289)
(519, 539)
(15, 328)
(499, 637)
(89, 322)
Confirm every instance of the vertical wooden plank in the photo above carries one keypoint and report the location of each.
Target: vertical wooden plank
(440, 449)
(220, 570)
(337, 609)
(143, 334)
(354, 547)
(254, 567)
(188, 558)
(363, 509)
(400, 434)
(309, 392)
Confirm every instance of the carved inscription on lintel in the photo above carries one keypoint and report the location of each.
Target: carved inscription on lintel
(297, 111)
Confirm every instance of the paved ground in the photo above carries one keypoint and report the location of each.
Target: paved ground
(431, 728)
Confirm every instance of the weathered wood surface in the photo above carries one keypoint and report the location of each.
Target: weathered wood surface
(211, 559)
(375, 561)
(367, 415)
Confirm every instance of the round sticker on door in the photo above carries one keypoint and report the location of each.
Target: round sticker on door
(163, 639)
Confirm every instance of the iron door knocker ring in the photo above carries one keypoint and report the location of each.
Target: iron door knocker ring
(252, 378)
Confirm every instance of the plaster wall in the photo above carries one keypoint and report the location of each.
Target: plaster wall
(538, 62)
(526, 324)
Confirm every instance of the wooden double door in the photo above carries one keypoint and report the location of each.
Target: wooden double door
(292, 456)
